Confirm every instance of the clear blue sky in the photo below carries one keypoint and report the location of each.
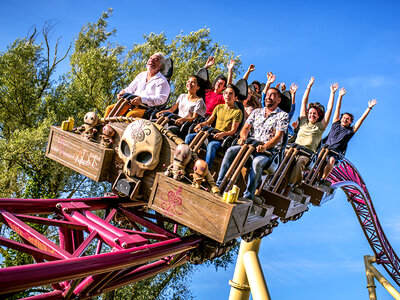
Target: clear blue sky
(353, 43)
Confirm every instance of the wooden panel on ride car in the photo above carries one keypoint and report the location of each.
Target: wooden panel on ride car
(201, 210)
(74, 151)
(283, 207)
(319, 195)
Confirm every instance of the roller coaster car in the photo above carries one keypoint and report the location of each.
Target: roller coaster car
(121, 164)
(320, 193)
(289, 206)
(168, 118)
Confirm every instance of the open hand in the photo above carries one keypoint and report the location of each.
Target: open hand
(230, 64)
(342, 91)
(334, 87)
(372, 103)
(270, 78)
(251, 68)
(210, 61)
(293, 88)
(310, 83)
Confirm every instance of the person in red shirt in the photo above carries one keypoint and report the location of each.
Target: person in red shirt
(214, 96)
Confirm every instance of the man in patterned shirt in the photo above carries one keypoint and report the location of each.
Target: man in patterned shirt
(267, 125)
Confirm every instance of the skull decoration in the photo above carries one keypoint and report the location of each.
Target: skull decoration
(201, 174)
(106, 137)
(182, 156)
(200, 171)
(91, 119)
(140, 148)
(88, 128)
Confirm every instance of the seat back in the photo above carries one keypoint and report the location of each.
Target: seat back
(276, 159)
(168, 68)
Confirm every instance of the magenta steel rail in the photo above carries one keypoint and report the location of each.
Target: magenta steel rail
(93, 254)
(119, 256)
(346, 177)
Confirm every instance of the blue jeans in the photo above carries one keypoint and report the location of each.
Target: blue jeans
(212, 148)
(257, 165)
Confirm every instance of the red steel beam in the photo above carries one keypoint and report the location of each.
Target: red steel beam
(19, 278)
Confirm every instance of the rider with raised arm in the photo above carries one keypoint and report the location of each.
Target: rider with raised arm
(150, 87)
(267, 125)
(253, 99)
(214, 96)
(313, 122)
(341, 133)
(227, 119)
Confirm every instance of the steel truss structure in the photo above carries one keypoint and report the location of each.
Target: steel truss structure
(92, 254)
(346, 177)
(118, 256)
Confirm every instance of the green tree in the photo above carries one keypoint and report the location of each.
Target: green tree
(31, 101)
(188, 52)
(26, 69)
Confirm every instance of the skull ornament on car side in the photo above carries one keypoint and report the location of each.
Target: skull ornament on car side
(140, 148)
(182, 156)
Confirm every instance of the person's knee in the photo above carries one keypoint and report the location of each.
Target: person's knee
(189, 138)
(259, 163)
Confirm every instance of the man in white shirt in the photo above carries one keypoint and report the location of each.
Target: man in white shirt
(149, 88)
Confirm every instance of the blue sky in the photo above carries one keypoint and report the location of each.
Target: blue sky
(353, 43)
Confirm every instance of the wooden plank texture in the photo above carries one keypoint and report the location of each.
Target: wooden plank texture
(203, 211)
(79, 154)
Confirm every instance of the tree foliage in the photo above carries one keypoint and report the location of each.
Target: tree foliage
(31, 100)
(188, 52)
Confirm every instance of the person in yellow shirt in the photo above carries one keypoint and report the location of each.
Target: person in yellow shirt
(227, 119)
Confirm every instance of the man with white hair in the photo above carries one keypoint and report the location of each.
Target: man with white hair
(150, 88)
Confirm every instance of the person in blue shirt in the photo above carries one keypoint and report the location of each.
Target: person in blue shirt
(341, 133)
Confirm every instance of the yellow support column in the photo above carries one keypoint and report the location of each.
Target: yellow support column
(370, 279)
(370, 269)
(240, 289)
(255, 276)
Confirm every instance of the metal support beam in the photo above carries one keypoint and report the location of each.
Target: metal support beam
(372, 272)
(255, 276)
(240, 288)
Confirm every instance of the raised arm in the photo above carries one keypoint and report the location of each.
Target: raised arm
(329, 108)
(250, 69)
(270, 80)
(336, 115)
(293, 90)
(303, 109)
(210, 62)
(230, 65)
(371, 104)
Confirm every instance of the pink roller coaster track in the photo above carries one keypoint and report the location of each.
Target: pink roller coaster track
(119, 256)
(346, 177)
